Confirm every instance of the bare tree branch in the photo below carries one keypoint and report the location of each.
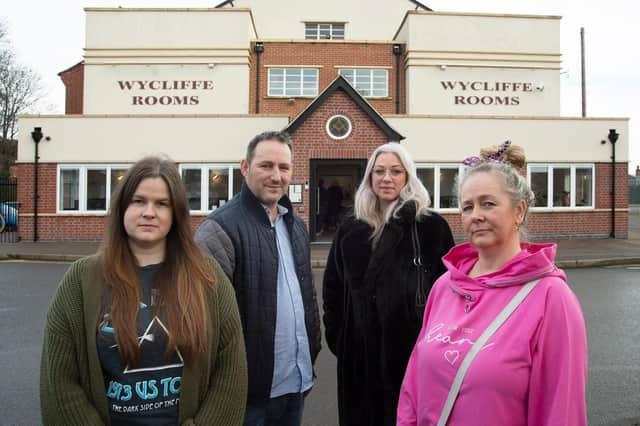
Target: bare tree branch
(20, 88)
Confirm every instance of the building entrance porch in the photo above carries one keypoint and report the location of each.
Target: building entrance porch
(332, 190)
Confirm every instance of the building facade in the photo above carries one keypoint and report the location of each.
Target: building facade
(197, 84)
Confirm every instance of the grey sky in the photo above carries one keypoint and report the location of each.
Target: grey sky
(49, 37)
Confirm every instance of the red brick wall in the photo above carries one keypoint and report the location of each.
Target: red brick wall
(310, 140)
(603, 185)
(327, 55)
(577, 223)
(73, 80)
(365, 137)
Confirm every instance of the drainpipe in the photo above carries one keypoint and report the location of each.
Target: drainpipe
(258, 48)
(613, 138)
(397, 51)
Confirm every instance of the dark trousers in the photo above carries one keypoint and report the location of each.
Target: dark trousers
(285, 410)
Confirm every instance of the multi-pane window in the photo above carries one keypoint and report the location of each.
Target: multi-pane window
(293, 82)
(210, 186)
(324, 31)
(443, 189)
(83, 188)
(372, 82)
(562, 185)
(69, 190)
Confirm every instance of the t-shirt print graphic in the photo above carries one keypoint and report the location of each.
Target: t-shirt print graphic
(149, 392)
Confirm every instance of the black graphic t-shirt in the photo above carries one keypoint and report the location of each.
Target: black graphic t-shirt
(149, 392)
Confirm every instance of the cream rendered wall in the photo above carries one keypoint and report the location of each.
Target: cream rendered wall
(221, 89)
(546, 140)
(483, 32)
(168, 47)
(124, 139)
(536, 93)
(108, 28)
(462, 48)
(365, 19)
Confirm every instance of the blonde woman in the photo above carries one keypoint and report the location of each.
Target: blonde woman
(503, 340)
(381, 266)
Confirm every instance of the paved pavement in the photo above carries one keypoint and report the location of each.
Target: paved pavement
(572, 253)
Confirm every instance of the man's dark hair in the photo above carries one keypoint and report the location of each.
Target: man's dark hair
(270, 135)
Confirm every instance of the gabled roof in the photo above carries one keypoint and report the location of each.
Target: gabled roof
(70, 68)
(340, 83)
(419, 4)
(224, 3)
(416, 2)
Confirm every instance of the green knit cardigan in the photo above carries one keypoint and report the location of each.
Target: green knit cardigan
(72, 392)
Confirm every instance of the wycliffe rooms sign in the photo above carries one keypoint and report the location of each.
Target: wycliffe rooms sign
(489, 92)
(164, 92)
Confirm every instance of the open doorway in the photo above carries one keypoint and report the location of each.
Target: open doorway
(332, 187)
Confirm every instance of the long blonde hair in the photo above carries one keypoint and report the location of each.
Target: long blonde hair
(367, 206)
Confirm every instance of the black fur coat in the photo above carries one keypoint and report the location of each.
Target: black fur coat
(370, 313)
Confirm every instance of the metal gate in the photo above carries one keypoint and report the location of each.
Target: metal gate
(8, 210)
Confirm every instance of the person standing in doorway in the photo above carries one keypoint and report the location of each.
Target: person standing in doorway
(334, 204)
(264, 249)
(323, 208)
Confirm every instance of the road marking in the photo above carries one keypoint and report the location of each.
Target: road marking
(628, 267)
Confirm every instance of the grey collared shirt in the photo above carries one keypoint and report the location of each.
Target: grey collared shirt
(292, 369)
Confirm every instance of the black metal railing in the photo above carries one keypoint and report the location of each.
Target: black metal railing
(8, 210)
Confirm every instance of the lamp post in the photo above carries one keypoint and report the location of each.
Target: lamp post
(36, 135)
(613, 138)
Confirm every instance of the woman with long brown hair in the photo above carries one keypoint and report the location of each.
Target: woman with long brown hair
(147, 331)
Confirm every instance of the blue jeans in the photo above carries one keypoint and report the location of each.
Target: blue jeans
(285, 410)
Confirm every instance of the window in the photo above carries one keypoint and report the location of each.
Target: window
(69, 189)
(116, 176)
(324, 31)
(442, 190)
(372, 82)
(210, 186)
(562, 185)
(293, 82)
(338, 127)
(96, 189)
(83, 188)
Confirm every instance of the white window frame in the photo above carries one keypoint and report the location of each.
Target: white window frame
(435, 196)
(82, 186)
(312, 30)
(371, 87)
(572, 167)
(204, 180)
(300, 93)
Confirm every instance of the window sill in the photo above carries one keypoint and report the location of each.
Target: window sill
(290, 97)
(81, 213)
(561, 209)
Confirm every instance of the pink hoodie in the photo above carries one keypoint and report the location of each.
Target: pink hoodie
(532, 371)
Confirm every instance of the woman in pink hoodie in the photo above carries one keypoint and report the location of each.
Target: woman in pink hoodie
(533, 369)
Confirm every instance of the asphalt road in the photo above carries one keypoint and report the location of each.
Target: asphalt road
(610, 300)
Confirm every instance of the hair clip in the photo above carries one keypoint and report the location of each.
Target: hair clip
(501, 149)
(474, 160)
